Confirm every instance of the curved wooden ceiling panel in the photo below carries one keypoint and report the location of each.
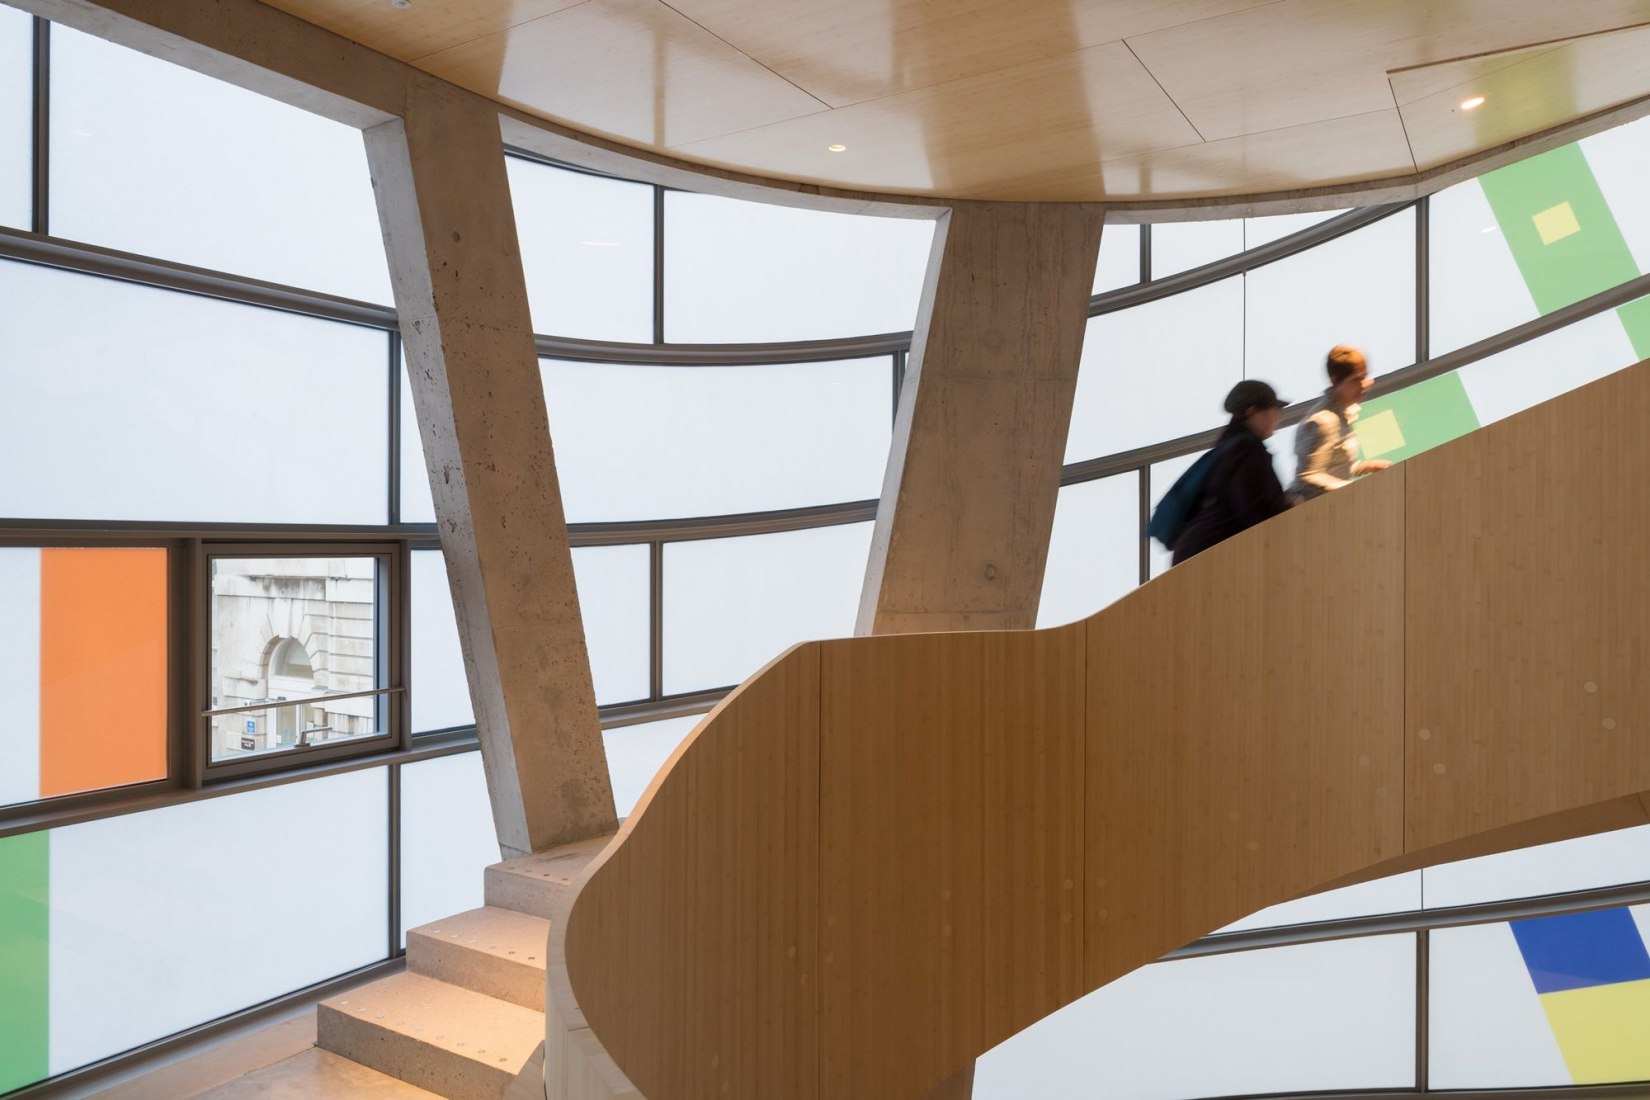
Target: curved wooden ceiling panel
(1032, 99)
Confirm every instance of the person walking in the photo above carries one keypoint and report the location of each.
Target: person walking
(1242, 487)
(1326, 446)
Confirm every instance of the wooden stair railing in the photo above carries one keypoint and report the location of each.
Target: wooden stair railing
(883, 856)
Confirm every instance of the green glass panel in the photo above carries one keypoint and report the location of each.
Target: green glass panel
(24, 977)
(1417, 418)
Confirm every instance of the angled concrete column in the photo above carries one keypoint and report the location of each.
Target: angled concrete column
(444, 204)
(968, 502)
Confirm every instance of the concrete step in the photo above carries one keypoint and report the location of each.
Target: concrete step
(316, 1074)
(498, 952)
(535, 884)
(460, 1044)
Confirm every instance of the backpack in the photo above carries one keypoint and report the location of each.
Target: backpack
(1175, 510)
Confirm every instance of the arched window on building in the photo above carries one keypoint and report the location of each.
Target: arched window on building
(292, 676)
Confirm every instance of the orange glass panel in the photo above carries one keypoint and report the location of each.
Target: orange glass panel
(102, 668)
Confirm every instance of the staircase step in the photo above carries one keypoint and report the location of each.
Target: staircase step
(316, 1075)
(494, 951)
(535, 884)
(460, 1044)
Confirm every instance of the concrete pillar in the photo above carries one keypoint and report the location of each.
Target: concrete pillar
(444, 204)
(968, 502)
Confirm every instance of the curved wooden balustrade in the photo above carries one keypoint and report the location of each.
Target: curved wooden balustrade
(883, 856)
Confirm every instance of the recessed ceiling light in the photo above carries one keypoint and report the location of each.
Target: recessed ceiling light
(601, 244)
(837, 148)
(402, 4)
(1472, 103)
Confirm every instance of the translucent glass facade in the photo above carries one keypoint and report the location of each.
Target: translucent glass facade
(191, 411)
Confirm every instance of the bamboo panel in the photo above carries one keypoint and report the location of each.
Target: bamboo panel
(1529, 612)
(950, 850)
(694, 951)
(1245, 716)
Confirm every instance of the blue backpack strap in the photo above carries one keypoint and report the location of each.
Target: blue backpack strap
(1175, 509)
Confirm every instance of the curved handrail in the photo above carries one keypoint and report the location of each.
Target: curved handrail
(882, 856)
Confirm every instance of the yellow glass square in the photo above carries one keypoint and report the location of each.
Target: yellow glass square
(1556, 222)
(1603, 1032)
(1380, 434)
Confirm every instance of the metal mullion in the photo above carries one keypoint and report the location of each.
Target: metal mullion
(1145, 252)
(1423, 279)
(626, 532)
(656, 620)
(899, 381)
(658, 264)
(39, 217)
(575, 350)
(393, 512)
(393, 849)
(1145, 518)
(180, 599)
(108, 263)
(1423, 1009)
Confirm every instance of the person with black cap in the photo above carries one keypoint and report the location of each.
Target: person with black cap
(1242, 487)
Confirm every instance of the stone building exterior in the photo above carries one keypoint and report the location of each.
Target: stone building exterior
(289, 629)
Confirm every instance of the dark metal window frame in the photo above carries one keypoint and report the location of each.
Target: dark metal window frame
(391, 658)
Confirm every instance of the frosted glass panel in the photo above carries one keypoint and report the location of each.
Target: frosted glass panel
(1357, 289)
(1488, 1027)
(613, 599)
(743, 272)
(1094, 551)
(1395, 894)
(733, 605)
(1608, 859)
(1179, 246)
(1620, 159)
(662, 442)
(185, 408)
(16, 117)
(1119, 262)
(1539, 370)
(152, 158)
(587, 251)
(447, 837)
(170, 918)
(1474, 283)
(1316, 1017)
(440, 695)
(636, 753)
(1157, 371)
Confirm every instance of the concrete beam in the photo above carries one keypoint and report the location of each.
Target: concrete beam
(968, 502)
(455, 264)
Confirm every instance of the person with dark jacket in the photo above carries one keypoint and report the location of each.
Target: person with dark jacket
(1242, 488)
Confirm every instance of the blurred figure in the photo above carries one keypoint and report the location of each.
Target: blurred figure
(1326, 447)
(1242, 487)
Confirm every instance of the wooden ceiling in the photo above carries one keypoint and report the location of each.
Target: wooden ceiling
(1033, 99)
